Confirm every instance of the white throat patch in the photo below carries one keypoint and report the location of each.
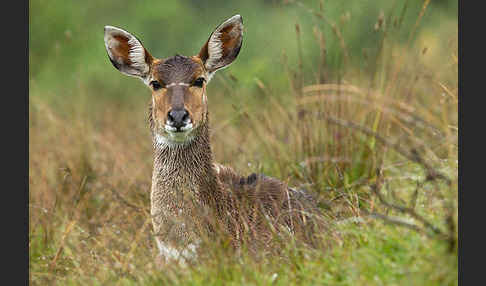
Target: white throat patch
(172, 140)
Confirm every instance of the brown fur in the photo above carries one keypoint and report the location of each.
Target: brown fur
(121, 51)
(231, 38)
(191, 195)
(247, 208)
(178, 69)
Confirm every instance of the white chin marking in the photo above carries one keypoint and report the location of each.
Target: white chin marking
(179, 137)
(171, 138)
(169, 128)
(188, 127)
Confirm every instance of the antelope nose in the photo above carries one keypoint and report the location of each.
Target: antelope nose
(178, 118)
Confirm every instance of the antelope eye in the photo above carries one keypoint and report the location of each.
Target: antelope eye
(155, 85)
(199, 82)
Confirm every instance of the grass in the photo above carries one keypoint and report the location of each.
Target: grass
(371, 135)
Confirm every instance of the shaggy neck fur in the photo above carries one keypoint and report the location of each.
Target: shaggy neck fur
(184, 183)
(186, 165)
(190, 193)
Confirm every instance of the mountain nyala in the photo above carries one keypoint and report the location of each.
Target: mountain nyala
(192, 196)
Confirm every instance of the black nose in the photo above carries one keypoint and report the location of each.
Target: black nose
(178, 117)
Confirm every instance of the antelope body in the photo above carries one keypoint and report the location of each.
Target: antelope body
(187, 186)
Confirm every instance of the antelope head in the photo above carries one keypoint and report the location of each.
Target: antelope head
(178, 83)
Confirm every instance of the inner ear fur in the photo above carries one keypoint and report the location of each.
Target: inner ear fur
(127, 53)
(223, 45)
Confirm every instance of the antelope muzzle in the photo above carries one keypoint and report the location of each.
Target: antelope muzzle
(178, 120)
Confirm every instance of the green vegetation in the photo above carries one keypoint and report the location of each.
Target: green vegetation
(355, 101)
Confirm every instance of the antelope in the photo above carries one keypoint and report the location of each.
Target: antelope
(187, 185)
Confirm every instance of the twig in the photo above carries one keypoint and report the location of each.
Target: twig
(333, 26)
(410, 211)
(406, 112)
(121, 199)
(413, 155)
(61, 245)
(386, 219)
(301, 61)
(395, 221)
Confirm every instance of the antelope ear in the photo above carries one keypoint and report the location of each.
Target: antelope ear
(126, 53)
(223, 45)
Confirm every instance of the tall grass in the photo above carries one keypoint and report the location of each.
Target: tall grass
(372, 133)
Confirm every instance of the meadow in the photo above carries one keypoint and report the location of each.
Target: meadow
(354, 101)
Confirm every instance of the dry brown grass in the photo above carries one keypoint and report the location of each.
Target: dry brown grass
(90, 164)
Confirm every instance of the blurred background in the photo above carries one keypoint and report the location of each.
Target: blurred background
(66, 38)
(334, 97)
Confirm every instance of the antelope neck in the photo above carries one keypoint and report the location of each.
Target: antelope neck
(187, 165)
